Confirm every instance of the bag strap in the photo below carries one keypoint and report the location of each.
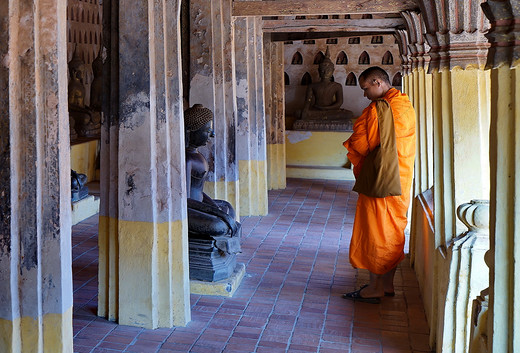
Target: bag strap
(385, 120)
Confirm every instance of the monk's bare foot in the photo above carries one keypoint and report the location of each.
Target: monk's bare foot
(389, 289)
(371, 292)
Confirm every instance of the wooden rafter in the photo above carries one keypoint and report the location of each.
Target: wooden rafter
(344, 25)
(320, 7)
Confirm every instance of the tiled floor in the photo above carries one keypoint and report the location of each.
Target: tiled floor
(290, 300)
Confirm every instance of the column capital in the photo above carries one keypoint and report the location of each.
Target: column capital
(418, 46)
(455, 30)
(402, 40)
(504, 35)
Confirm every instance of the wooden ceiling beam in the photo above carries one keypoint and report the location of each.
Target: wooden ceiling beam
(362, 25)
(320, 7)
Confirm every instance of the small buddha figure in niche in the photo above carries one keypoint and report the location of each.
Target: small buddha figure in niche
(82, 115)
(96, 91)
(323, 100)
(207, 217)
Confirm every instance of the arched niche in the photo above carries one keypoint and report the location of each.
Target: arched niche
(286, 80)
(351, 80)
(319, 58)
(388, 59)
(306, 79)
(342, 58)
(297, 59)
(397, 80)
(364, 59)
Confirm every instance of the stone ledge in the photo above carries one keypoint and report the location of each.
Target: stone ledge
(223, 288)
(84, 209)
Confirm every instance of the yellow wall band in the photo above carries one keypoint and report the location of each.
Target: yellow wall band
(23, 334)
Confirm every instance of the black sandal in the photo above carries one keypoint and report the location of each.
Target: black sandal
(356, 296)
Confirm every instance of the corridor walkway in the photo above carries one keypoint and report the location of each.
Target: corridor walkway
(290, 300)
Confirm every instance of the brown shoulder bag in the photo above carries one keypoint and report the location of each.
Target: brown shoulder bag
(379, 175)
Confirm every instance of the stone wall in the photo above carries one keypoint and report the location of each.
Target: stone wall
(352, 96)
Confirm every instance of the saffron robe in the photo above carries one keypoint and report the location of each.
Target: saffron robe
(377, 242)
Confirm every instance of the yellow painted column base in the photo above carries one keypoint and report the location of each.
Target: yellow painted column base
(276, 173)
(223, 288)
(253, 187)
(143, 277)
(23, 334)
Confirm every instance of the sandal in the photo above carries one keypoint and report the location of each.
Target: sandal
(356, 296)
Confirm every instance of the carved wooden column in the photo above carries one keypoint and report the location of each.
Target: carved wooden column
(251, 115)
(403, 41)
(422, 100)
(35, 197)
(212, 85)
(275, 113)
(143, 236)
(504, 289)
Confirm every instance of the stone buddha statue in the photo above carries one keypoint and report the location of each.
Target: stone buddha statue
(96, 91)
(323, 100)
(214, 234)
(78, 186)
(78, 111)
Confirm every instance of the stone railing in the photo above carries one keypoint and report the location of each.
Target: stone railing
(465, 277)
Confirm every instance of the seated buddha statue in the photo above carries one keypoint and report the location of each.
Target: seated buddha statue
(96, 91)
(82, 115)
(323, 100)
(207, 218)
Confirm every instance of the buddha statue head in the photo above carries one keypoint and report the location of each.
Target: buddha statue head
(326, 67)
(197, 123)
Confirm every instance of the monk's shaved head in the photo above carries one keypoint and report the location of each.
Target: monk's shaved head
(375, 72)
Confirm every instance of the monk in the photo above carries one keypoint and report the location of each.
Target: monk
(378, 235)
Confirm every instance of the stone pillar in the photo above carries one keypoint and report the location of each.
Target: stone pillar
(421, 95)
(143, 235)
(460, 113)
(212, 85)
(35, 201)
(466, 275)
(251, 115)
(479, 341)
(275, 113)
(460, 90)
(504, 289)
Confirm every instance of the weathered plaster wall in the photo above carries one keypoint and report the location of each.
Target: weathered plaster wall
(352, 95)
(275, 113)
(143, 270)
(36, 264)
(251, 116)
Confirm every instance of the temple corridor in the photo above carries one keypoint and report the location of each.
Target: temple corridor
(290, 300)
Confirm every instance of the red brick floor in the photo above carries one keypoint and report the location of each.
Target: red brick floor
(290, 300)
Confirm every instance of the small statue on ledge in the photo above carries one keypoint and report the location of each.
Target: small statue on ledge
(77, 185)
(84, 124)
(214, 234)
(323, 100)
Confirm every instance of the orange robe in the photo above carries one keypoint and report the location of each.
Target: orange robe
(378, 235)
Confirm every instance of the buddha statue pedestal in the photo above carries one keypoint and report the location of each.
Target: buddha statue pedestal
(213, 259)
(326, 124)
